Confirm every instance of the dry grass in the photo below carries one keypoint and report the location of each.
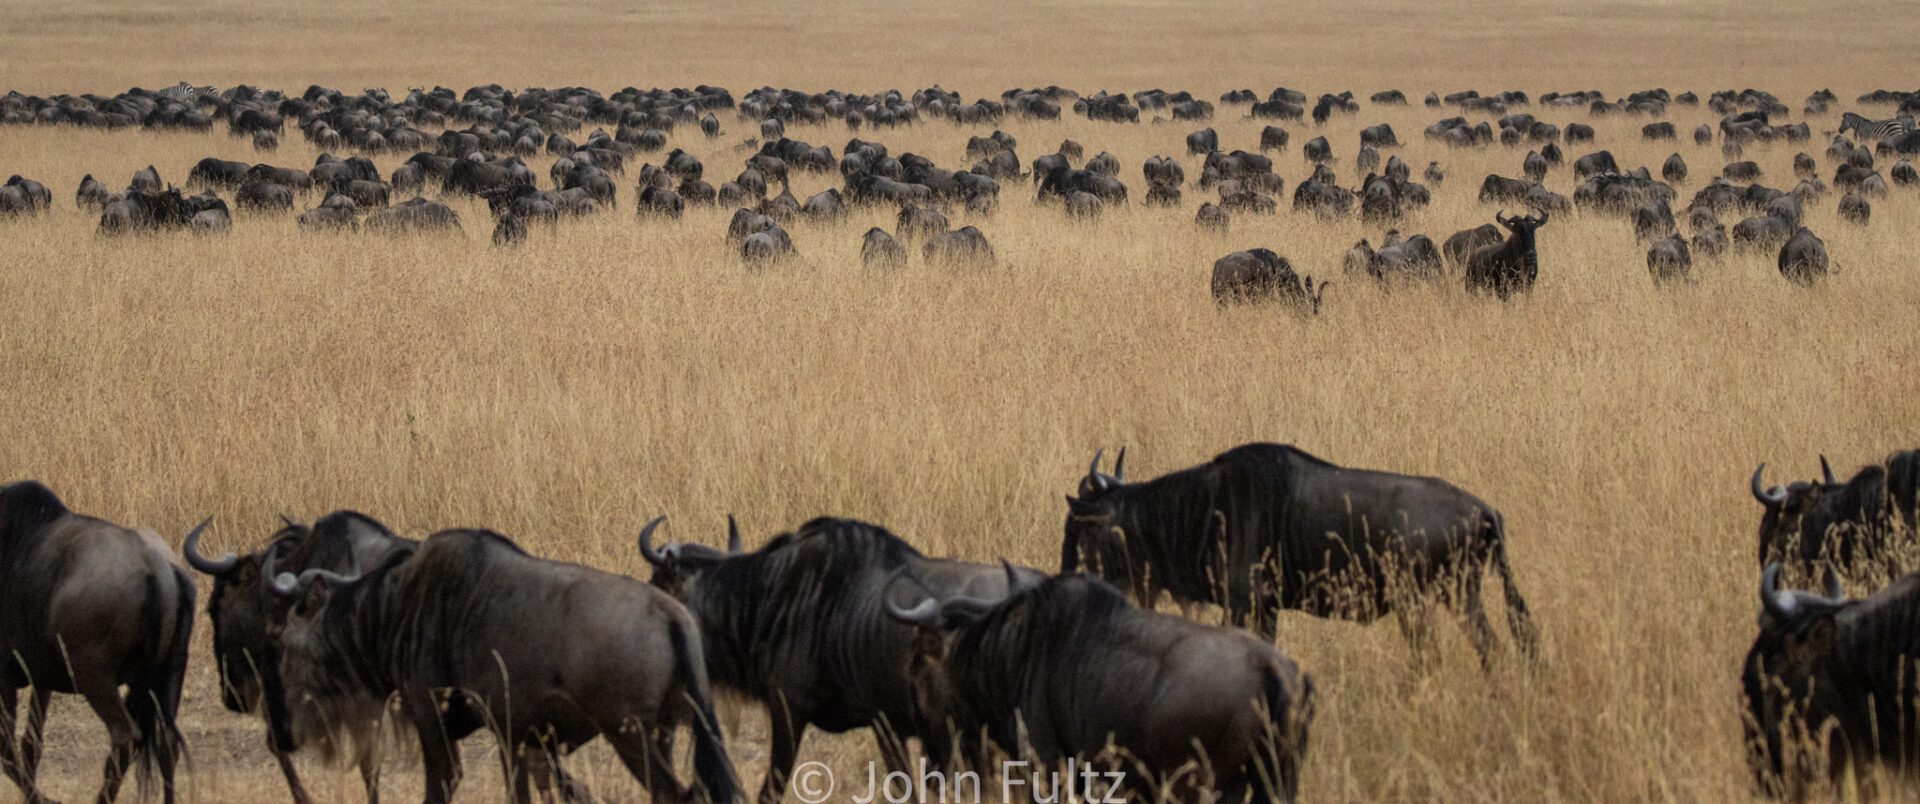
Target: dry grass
(616, 368)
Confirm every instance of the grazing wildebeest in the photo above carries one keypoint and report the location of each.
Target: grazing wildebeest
(1669, 260)
(768, 245)
(1104, 164)
(801, 626)
(879, 249)
(1203, 142)
(1803, 258)
(1826, 669)
(1265, 527)
(469, 631)
(1806, 522)
(1854, 208)
(1273, 138)
(1741, 171)
(91, 193)
(1318, 150)
(1762, 232)
(213, 172)
(88, 607)
(1675, 169)
(1413, 258)
(964, 246)
(1509, 267)
(1259, 274)
(1211, 216)
(1067, 669)
(263, 194)
(247, 658)
(414, 215)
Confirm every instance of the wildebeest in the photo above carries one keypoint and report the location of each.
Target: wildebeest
(1318, 150)
(1211, 216)
(473, 632)
(1826, 669)
(879, 249)
(91, 193)
(1806, 522)
(1265, 527)
(1762, 232)
(88, 607)
(1203, 142)
(965, 246)
(247, 657)
(1675, 169)
(767, 245)
(1669, 260)
(1509, 267)
(1803, 258)
(414, 215)
(1273, 138)
(1259, 274)
(801, 626)
(1067, 669)
(1855, 208)
(1464, 243)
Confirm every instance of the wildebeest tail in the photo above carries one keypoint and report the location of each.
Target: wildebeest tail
(1289, 718)
(153, 694)
(1518, 620)
(710, 763)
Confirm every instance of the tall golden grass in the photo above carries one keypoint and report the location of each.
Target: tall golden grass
(616, 367)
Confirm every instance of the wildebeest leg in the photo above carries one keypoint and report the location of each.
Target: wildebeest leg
(34, 740)
(640, 749)
(299, 791)
(1479, 628)
(122, 734)
(438, 754)
(785, 732)
(11, 750)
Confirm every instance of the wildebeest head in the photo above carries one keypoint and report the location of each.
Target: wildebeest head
(1800, 518)
(1796, 637)
(1523, 226)
(677, 567)
(238, 611)
(1091, 531)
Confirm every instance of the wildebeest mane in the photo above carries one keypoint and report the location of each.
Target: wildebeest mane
(26, 508)
(759, 606)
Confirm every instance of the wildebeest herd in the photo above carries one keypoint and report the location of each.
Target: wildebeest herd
(485, 134)
(334, 629)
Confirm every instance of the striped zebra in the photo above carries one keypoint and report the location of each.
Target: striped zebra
(1876, 130)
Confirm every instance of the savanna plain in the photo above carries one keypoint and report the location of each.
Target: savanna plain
(615, 367)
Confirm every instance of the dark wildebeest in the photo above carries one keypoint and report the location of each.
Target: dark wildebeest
(1803, 258)
(1807, 522)
(1828, 669)
(879, 249)
(1259, 274)
(247, 658)
(469, 631)
(800, 626)
(1464, 243)
(1211, 216)
(1669, 260)
(1511, 266)
(1066, 668)
(1318, 150)
(1854, 208)
(91, 193)
(509, 230)
(87, 607)
(1203, 142)
(1265, 527)
(1273, 138)
(963, 246)
(1762, 232)
(1674, 170)
(414, 215)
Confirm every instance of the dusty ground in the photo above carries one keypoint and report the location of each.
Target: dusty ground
(616, 368)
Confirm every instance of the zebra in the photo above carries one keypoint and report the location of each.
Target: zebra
(1876, 130)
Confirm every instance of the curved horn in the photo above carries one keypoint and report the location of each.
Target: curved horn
(1768, 498)
(1120, 466)
(284, 585)
(922, 613)
(1094, 468)
(1776, 602)
(1501, 215)
(1826, 470)
(1543, 218)
(646, 542)
(288, 521)
(210, 566)
(733, 535)
(329, 576)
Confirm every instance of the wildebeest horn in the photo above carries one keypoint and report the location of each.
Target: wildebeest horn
(191, 549)
(329, 576)
(1776, 602)
(1826, 470)
(1830, 580)
(922, 612)
(1543, 218)
(284, 585)
(733, 535)
(288, 521)
(1501, 215)
(1771, 497)
(1094, 468)
(1120, 466)
(646, 542)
